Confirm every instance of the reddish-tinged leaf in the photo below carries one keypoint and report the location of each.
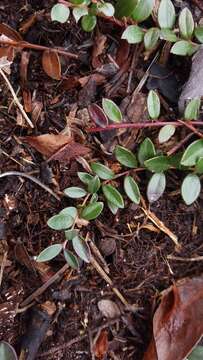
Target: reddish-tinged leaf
(10, 33)
(69, 152)
(101, 345)
(51, 64)
(97, 115)
(178, 321)
(47, 144)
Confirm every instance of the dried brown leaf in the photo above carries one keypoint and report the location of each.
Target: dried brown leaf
(47, 144)
(7, 52)
(37, 107)
(178, 321)
(10, 33)
(100, 347)
(28, 23)
(69, 152)
(25, 57)
(122, 52)
(51, 64)
(98, 49)
(27, 100)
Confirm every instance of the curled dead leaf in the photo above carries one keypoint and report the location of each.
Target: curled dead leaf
(178, 321)
(51, 64)
(109, 308)
(10, 32)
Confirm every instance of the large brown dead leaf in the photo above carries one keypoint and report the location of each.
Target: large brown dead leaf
(51, 64)
(57, 147)
(178, 321)
(47, 144)
(69, 152)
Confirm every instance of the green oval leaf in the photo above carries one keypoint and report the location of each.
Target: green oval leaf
(113, 208)
(92, 211)
(7, 351)
(113, 195)
(60, 222)
(190, 188)
(184, 48)
(71, 259)
(133, 34)
(94, 198)
(88, 22)
(132, 189)
(156, 187)
(125, 8)
(192, 109)
(199, 166)
(166, 132)
(60, 13)
(196, 354)
(107, 9)
(146, 151)
(70, 234)
(199, 33)
(78, 2)
(81, 248)
(70, 211)
(125, 157)
(151, 38)
(192, 154)
(75, 192)
(143, 10)
(102, 171)
(168, 35)
(94, 185)
(153, 104)
(186, 23)
(49, 253)
(166, 14)
(111, 110)
(158, 164)
(79, 12)
(85, 177)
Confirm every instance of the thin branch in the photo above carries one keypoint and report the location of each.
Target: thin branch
(27, 45)
(33, 179)
(45, 286)
(191, 127)
(16, 99)
(142, 125)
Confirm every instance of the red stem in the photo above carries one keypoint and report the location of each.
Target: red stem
(141, 125)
